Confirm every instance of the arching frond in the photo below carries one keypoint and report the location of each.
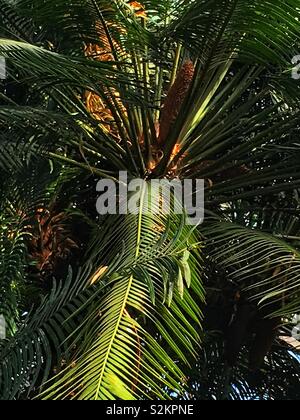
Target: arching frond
(266, 267)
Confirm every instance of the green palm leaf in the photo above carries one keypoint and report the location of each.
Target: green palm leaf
(119, 357)
(266, 267)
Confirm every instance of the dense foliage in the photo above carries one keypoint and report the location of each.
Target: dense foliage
(147, 306)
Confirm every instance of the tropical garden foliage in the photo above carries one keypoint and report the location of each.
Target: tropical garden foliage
(146, 306)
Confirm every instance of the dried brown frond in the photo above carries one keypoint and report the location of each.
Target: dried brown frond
(51, 240)
(138, 9)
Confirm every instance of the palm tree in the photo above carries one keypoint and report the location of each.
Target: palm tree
(173, 89)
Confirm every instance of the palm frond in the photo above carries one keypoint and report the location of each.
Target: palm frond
(120, 349)
(260, 32)
(265, 266)
(12, 267)
(28, 358)
(210, 379)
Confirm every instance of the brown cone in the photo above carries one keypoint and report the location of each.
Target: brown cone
(175, 99)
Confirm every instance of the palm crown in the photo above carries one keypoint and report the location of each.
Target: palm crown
(172, 90)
